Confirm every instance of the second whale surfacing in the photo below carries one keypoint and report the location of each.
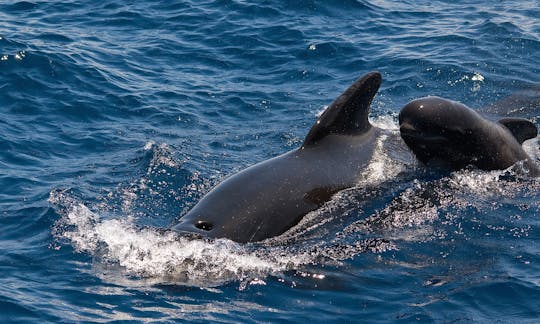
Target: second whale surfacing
(268, 198)
(445, 132)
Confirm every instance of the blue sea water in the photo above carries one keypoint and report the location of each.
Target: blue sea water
(117, 116)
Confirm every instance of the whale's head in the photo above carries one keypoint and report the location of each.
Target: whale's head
(441, 131)
(448, 133)
(249, 206)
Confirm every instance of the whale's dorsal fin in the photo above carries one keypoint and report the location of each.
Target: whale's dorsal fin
(521, 128)
(348, 114)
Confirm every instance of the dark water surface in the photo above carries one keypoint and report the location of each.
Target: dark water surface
(117, 116)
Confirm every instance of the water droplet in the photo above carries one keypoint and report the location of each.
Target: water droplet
(477, 77)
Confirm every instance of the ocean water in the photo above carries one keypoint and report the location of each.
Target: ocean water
(117, 116)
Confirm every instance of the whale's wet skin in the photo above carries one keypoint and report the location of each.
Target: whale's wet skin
(448, 132)
(269, 198)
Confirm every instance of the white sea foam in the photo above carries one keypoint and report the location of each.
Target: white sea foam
(387, 122)
(383, 166)
(532, 147)
(157, 254)
(154, 253)
(479, 182)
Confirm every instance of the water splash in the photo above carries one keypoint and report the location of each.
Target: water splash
(114, 236)
(424, 211)
(156, 253)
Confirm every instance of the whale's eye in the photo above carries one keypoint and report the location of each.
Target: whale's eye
(205, 226)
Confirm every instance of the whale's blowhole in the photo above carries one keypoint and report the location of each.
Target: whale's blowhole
(205, 226)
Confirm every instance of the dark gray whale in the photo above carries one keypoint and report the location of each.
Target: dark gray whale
(442, 131)
(268, 198)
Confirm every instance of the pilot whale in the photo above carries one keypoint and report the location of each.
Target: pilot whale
(442, 131)
(268, 198)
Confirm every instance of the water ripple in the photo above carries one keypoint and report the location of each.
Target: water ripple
(133, 110)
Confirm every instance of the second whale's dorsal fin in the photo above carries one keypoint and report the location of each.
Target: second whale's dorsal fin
(348, 114)
(521, 128)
